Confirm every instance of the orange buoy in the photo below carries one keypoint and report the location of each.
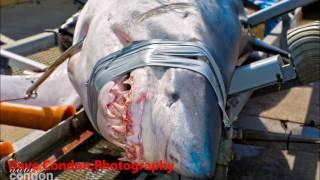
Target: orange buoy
(6, 148)
(34, 117)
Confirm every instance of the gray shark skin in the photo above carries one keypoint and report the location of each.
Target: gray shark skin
(157, 113)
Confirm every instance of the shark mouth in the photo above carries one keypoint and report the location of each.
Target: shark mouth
(123, 102)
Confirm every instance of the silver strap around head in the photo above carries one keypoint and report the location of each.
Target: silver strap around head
(175, 54)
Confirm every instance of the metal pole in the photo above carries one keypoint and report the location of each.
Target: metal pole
(31, 91)
(277, 9)
(21, 62)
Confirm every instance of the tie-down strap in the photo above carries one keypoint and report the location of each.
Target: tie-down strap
(174, 54)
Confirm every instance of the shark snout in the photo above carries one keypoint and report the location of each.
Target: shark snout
(192, 157)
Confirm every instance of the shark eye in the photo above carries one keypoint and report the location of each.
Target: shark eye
(172, 98)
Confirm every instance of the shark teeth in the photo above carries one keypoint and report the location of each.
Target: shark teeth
(126, 95)
(118, 107)
(120, 129)
(130, 152)
(129, 81)
(110, 114)
(120, 113)
(121, 137)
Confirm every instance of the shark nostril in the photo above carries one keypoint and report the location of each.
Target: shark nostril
(173, 159)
